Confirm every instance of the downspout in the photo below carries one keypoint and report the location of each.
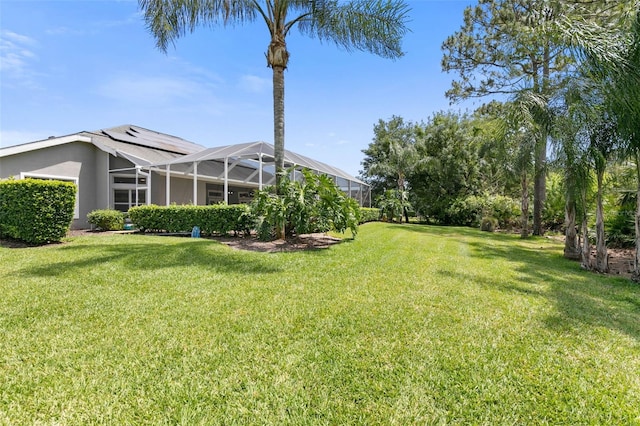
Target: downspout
(260, 172)
(109, 184)
(148, 193)
(136, 186)
(226, 180)
(195, 183)
(167, 189)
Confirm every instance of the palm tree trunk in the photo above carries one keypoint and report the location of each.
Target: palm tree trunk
(584, 230)
(278, 133)
(278, 121)
(539, 184)
(524, 206)
(602, 258)
(571, 247)
(277, 59)
(636, 264)
(586, 246)
(540, 179)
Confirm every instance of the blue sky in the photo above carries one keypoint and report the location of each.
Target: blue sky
(68, 66)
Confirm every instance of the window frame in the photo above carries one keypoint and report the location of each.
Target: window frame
(130, 188)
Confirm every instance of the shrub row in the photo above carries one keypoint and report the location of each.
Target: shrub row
(214, 219)
(36, 211)
(471, 210)
(369, 214)
(106, 220)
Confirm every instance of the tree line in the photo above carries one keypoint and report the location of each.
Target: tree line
(559, 128)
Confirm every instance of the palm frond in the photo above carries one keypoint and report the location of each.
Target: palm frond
(376, 26)
(168, 20)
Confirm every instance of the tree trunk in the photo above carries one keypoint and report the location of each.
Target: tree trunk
(278, 121)
(524, 206)
(602, 258)
(277, 59)
(636, 264)
(539, 184)
(586, 246)
(278, 132)
(540, 179)
(571, 247)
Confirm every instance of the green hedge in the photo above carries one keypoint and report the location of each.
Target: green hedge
(36, 211)
(369, 214)
(106, 219)
(469, 211)
(215, 219)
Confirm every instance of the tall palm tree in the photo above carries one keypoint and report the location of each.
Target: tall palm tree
(528, 119)
(400, 161)
(610, 46)
(376, 26)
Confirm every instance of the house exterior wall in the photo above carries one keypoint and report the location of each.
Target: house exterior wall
(117, 163)
(73, 161)
(181, 190)
(102, 187)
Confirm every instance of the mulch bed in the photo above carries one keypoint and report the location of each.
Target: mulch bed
(314, 241)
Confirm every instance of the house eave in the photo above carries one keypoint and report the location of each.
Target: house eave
(47, 143)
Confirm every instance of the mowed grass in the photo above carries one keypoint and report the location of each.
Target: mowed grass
(407, 324)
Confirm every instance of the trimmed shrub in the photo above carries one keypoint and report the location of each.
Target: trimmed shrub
(107, 219)
(467, 211)
(214, 219)
(471, 210)
(489, 224)
(36, 211)
(369, 214)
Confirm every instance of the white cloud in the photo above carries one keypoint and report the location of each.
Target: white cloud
(254, 83)
(149, 89)
(17, 38)
(133, 18)
(16, 59)
(96, 27)
(64, 31)
(196, 72)
(135, 94)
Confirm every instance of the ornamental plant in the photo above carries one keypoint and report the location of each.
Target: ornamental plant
(315, 204)
(106, 219)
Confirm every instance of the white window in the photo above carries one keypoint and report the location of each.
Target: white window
(76, 210)
(127, 192)
(124, 199)
(214, 196)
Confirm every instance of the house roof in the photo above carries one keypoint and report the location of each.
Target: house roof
(256, 150)
(139, 145)
(144, 147)
(134, 135)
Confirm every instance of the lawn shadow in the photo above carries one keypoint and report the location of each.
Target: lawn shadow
(580, 297)
(201, 254)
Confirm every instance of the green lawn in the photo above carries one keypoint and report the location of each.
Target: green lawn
(407, 324)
